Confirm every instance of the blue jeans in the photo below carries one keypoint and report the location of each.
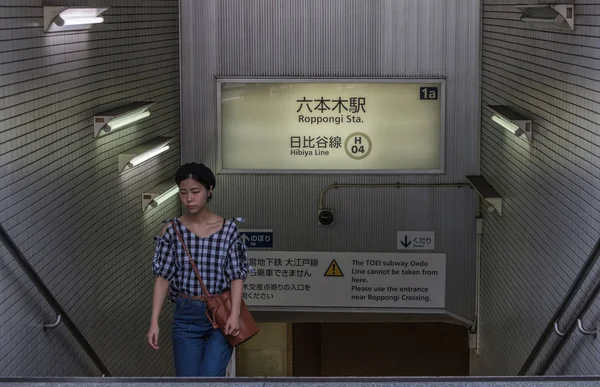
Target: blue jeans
(198, 348)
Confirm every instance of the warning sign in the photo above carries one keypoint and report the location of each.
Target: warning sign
(333, 270)
(314, 279)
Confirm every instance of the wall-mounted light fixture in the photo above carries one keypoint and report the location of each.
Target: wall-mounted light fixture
(487, 193)
(512, 121)
(121, 117)
(144, 152)
(561, 16)
(159, 194)
(71, 18)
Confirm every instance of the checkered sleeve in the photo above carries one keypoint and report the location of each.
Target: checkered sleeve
(237, 261)
(163, 262)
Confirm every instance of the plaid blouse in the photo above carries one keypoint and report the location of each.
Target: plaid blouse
(220, 258)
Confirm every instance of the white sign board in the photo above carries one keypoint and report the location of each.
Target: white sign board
(312, 125)
(330, 280)
(416, 240)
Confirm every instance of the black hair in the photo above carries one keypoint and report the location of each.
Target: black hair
(197, 171)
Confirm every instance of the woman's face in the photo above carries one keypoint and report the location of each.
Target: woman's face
(193, 195)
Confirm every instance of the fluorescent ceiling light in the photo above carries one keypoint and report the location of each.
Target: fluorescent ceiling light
(122, 121)
(121, 117)
(147, 155)
(561, 16)
(62, 18)
(77, 16)
(507, 124)
(161, 198)
(512, 121)
(144, 152)
(159, 194)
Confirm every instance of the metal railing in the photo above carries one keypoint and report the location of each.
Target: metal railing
(316, 381)
(43, 289)
(553, 324)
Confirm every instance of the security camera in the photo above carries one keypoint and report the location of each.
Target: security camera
(325, 217)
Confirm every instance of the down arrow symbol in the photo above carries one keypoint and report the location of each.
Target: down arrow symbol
(406, 242)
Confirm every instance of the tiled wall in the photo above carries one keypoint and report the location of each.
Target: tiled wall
(73, 214)
(550, 187)
(269, 353)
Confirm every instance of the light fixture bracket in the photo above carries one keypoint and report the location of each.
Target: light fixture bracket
(506, 114)
(487, 193)
(560, 16)
(160, 189)
(53, 22)
(126, 158)
(102, 121)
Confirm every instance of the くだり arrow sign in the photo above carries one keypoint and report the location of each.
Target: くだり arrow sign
(416, 240)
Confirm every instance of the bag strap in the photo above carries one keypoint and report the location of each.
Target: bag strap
(204, 289)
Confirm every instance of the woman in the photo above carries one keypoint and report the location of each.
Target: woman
(220, 255)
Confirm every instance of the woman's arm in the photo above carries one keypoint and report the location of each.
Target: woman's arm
(161, 287)
(233, 323)
(163, 268)
(237, 271)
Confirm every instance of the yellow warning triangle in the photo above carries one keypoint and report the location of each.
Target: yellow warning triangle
(333, 270)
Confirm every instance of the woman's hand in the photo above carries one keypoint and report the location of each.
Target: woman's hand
(152, 336)
(161, 287)
(232, 326)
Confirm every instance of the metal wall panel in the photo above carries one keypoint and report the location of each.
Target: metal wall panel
(74, 216)
(343, 38)
(531, 255)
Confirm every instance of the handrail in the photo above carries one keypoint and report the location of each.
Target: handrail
(560, 311)
(39, 284)
(591, 298)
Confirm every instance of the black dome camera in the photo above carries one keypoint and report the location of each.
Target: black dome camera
(325, 217)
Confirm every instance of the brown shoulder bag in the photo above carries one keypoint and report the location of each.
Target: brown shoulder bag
(218, 306)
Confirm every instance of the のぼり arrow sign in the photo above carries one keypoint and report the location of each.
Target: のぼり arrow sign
(416, 240)
(257, 238)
